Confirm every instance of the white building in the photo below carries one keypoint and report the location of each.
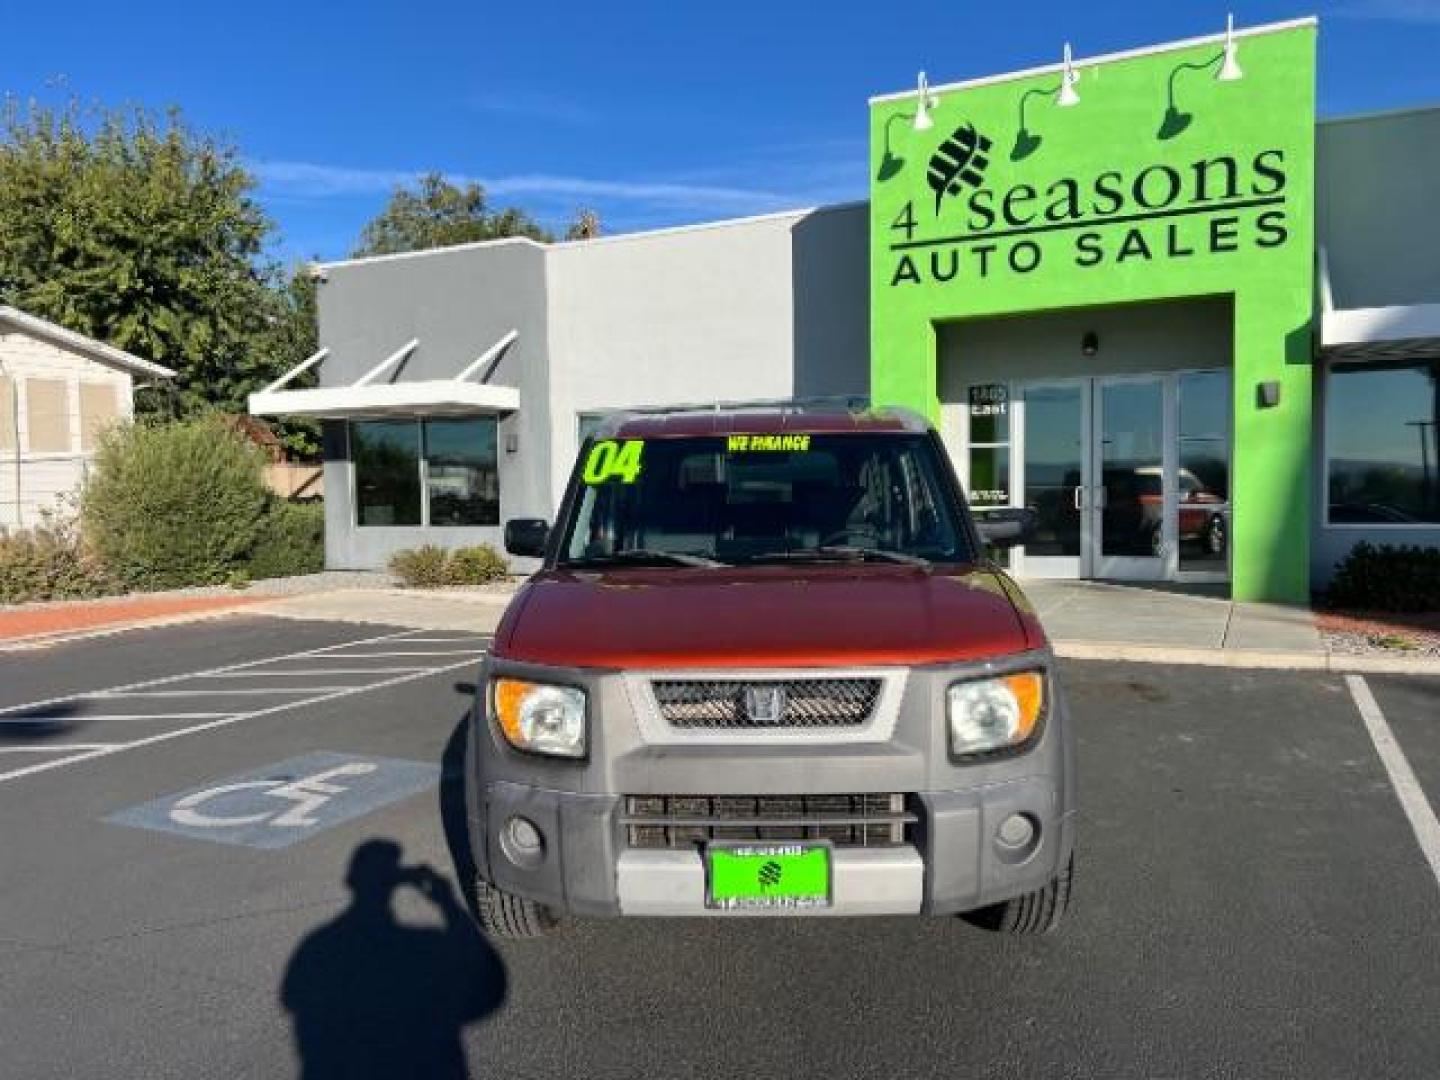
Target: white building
(58, 391)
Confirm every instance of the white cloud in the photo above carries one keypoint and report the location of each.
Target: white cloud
(310, 180)
(1414, 12)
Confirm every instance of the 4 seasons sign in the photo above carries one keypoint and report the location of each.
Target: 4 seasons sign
(1133, 178)
(1213, 205)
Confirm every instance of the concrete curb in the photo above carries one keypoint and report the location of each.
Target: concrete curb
(1247, 658)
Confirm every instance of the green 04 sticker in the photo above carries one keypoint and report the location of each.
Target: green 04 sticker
(611, 460)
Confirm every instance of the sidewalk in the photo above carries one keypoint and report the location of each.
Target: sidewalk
(1086, 620)
(1161, 623)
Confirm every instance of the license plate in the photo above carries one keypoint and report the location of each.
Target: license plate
(766, 876)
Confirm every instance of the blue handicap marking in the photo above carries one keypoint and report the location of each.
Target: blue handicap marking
(275, 806)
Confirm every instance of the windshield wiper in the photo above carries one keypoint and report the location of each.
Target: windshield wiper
(627, 555)
(842, 551)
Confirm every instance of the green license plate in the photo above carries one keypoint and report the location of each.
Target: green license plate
(757, 876)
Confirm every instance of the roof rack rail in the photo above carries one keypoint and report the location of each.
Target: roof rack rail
(844, 401)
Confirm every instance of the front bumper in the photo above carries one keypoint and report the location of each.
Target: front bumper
(951, 859)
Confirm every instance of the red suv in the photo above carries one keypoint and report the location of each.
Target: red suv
(766, 667)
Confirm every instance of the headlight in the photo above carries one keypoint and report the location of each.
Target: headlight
(994, 714)
(540, 718)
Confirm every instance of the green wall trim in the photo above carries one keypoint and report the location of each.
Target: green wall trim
(1162, 182)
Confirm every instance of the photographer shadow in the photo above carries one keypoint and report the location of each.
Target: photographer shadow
(372, 997)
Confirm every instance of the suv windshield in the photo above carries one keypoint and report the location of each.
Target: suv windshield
(763, 498)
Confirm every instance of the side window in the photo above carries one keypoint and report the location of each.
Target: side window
(99, 409)
(47, 409)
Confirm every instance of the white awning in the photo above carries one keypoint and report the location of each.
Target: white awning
(1380, 331)
(365, 397)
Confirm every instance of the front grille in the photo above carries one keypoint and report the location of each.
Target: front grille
(680, 821)
(733, 704)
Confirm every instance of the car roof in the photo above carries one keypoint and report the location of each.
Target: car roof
(737, 418)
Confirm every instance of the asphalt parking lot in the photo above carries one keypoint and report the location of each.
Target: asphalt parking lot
(1252, 899)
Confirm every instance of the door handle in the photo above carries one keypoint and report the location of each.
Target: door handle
(1079, 497)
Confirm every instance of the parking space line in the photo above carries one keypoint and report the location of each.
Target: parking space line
(225, 721)
(311, 671)
(164, 680)
(1402, 778)
(51, 748)
(68, 718)
(382, 655)
(221, 691)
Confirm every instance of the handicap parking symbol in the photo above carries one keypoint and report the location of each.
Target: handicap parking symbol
(291, 800)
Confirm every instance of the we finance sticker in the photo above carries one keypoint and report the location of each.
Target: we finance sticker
(613, 461)
(749, 444)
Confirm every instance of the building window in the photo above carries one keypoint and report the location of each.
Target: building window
(426, 472)
(387, 471)
(9, 423)
(1382, 435)
(47, 412)
(462, 477)
(99, 409)
(989, 410)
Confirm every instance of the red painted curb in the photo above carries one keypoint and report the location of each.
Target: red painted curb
(72, 617)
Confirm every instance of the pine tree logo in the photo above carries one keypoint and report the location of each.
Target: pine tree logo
(960, 162)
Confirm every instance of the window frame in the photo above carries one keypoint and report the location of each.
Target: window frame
(422, 470)
(1327, 375)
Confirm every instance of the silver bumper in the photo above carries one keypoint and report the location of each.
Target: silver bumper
(864, 881)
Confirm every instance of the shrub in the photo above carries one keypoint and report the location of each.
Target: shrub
(422, 567)
(175, 504)
(1388, 578)
(291, 541)
(476, 565)
(50, 563)
(432, 567)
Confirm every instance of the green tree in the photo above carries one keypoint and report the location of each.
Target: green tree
(137, 231)
(437, 213)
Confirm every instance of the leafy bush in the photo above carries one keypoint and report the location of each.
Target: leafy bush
(476, 565)
(50, 563)
(432, 567)
(177, 504)
(291, 541)
(422, 567)
(1388, 578)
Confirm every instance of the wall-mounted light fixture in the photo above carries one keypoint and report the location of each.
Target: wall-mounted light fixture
(1267, 394)
(890, 162)
(512, 442)
(1176, 121)
(924, 102)
(1068, 78)
(1089, 343)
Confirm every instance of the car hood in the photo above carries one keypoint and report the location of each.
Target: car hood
(771, 616)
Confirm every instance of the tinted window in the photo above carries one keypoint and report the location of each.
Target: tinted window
(462, 480)
(387, 471)
(1382, 432)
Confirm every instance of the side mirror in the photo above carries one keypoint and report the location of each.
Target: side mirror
(1007, 526)
(526, 536)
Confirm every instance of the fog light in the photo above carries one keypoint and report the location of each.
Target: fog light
(1016, 832)
(522, 842)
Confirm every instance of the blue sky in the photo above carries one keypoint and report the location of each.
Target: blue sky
(651, 113)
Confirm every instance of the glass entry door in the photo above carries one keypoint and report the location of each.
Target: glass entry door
(1130, 486)
(1054, 440)
(1128, 476)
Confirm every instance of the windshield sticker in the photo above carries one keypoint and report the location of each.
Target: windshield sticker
(610, 460)
(744, 444)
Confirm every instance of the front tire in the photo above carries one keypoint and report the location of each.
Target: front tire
(1037, 912)
(505, 915)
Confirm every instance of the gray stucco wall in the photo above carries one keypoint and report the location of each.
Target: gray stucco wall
(736, 310)
(1378, 218)
(768, 307)
(458, 302)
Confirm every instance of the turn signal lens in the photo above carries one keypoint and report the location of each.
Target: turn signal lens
(994, 714)
(540, 718)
